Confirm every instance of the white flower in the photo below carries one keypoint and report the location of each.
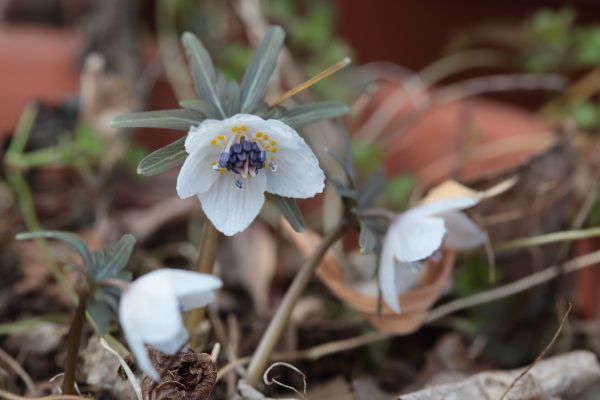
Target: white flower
(232, 162)
(418, 234)
(150, 311)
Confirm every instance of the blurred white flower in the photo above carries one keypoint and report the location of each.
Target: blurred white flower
(232, 162)
(150, 311)
(417, 235)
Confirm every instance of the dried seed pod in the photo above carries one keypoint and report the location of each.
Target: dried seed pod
(188, 376)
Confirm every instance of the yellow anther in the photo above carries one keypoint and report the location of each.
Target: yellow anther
(259, 134)
(273, 143)
(243, 128)
(266, 136)
(214, 142)
(221, 137)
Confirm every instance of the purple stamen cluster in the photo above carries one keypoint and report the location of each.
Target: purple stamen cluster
(242, 157)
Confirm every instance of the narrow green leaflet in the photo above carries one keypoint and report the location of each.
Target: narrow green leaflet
(24, 325)
(367, 239)
(229, 93)
(342, 190)
(258, 73)
(289, 209)
(348, 155)
(113, 259)
(70, 239)
(101, 314)
(349, 171)
(201, 106)
(203, 70)
(165, 158)
(373, 185)
(307, 114)
(177, 119)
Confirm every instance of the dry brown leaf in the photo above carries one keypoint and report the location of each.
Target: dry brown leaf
(415, 303)
(39, 339)
(256, 254)
(566, 374)
(451, 189)
(334, 389)
(366, 389)
(103, 96)
(100, 369)
(142, 223)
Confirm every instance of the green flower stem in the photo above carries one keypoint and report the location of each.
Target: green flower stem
(19, 185)
(207, 253)
(25, 202)
(68, 386)
(273, 333)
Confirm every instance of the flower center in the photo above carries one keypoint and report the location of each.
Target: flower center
(244, 154)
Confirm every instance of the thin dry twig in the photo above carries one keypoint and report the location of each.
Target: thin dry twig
(514, 287)
(15, 366)
(214, 354)
(548, 238)
(274, 380)
(499, 83)
(312, 81)
(541, 355)
(128, 372)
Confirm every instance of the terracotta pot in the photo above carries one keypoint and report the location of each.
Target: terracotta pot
(468, 139)
(415, 303)
(35, 64)
(587, 282)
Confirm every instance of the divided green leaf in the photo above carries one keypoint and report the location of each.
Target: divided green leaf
(110, 262)
(308, 114)
(367, 239)
(290, 210)
(202, 69)
(165, 158)
(177, 119)
(200, 106)
(70, 239)
(258, 73)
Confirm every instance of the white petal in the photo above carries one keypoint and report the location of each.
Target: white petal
(199, 137)
(149, 312)
(387, 273)
(298, 173)
(387, 283)
(196, 175)
(462, 232)
(415, 236)
(138, 350)
(193, 289)
(230, 208)
(254, 122)
(440, 206)
(406, 276)
(174, 343)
